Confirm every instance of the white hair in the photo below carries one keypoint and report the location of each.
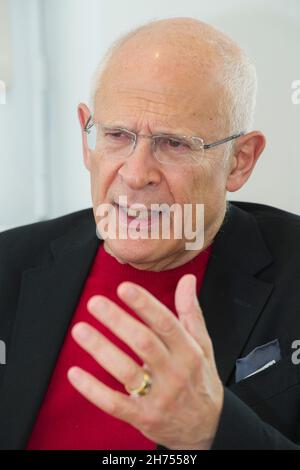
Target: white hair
(240, 89)
(239, 79)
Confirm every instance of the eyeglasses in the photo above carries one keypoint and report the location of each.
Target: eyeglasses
(117, 142)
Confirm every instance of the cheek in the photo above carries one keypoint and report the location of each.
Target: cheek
(102, 173)
(212, 181)
(198, 184)
(204, 183)
(207, 185)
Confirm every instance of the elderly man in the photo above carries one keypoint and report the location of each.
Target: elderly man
(138, 342)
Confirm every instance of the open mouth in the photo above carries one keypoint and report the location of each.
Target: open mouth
(143, 217)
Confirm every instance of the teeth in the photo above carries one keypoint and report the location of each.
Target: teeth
(141, 214)
(131, 212)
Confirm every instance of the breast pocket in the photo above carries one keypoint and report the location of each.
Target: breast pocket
(269, 382)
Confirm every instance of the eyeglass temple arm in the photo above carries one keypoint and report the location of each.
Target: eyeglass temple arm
(223, 141)
(89, 124)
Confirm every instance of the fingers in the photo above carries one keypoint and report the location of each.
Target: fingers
(131, 331)
(115, 403)
(159, 318)
(122, 367)
(189, 311)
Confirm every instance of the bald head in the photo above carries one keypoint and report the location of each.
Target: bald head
(184, 54)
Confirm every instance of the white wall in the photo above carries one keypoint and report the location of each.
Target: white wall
(23, 185)
(57, 44)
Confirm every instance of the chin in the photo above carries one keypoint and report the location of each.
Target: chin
(138, 251)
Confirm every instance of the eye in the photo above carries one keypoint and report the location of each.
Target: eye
(115, 134)
(117, 137)
(174, 145)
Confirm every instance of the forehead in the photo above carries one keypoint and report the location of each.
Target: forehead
(168, 110)
(130, 105)
(160, 87)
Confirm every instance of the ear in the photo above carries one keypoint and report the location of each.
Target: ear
(247, 152)
(83, 115)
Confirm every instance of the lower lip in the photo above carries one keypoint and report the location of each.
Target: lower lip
(125, 219)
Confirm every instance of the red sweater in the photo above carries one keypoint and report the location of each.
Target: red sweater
(66, 420)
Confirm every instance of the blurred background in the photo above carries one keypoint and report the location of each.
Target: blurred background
(48, 52)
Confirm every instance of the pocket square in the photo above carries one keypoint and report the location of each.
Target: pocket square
(257, 360)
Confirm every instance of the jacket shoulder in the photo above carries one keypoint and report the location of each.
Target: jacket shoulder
(280, 229)
(264, 211)
(29, 241)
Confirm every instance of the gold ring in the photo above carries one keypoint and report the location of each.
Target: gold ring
(144, 388)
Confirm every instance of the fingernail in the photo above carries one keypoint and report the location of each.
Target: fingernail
(82, 332)
(131, 292)
(75, 374)
(96, 302)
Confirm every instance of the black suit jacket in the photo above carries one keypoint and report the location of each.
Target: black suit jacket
(250, 296)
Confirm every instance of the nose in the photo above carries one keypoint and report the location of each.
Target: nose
(140, 169)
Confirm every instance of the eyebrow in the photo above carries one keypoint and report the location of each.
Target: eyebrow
(164, 132)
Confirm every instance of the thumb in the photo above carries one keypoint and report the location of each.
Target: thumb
(189, 311)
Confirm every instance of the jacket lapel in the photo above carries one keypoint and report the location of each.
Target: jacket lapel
(232, 297)
(48, 297)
